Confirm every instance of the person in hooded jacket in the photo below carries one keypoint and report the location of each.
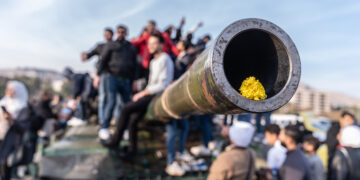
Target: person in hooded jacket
(82, 90)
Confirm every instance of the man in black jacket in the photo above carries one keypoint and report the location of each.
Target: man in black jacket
(117, 62)
(99, 82)
(295, 166)
(108, 34)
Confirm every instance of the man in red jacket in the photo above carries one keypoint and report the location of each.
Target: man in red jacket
(141, 42)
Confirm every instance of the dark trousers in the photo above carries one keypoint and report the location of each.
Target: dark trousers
(130, 115)
(5, 171)
(7, 147)
(259, 127)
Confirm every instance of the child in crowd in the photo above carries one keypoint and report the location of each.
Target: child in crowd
(310, 145)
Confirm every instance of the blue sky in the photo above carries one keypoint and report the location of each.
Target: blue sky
(53, 33)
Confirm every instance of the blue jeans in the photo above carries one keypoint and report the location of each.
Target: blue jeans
(81, 108)
(258, 117)
(113, 86)
(172, 131)
(228, 120)
(204, 122)
(244, 117)
(102, 98)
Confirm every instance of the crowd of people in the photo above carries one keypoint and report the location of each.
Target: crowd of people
(129, 74)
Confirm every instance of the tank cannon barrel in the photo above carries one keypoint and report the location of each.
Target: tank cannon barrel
(248, 47)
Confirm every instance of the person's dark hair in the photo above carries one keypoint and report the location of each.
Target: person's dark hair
(68, 72)
(273, 129)
(189, 37)
(294, 133)
(152, 22)
(46, 95)
(207, 36)
(122, 26)
(159, 37)
(347, 113)
(109, 30)
(169, 29)
(313, 141)
(186, 44)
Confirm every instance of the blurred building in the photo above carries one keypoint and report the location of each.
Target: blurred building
(43, 74)
(307, 98)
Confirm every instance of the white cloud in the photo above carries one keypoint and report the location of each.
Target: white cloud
(21, 8)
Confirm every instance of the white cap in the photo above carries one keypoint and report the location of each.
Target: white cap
(241, 133)
(349, 137)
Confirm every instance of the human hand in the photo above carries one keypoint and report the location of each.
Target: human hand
(8, 117)
(182, 21)
(140, 94)
(96, 82)
(84, 57)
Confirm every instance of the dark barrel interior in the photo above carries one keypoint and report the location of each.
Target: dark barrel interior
(257, 53)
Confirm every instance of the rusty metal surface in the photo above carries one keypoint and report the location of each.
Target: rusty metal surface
(206, 88)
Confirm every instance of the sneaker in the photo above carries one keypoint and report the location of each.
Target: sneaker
(126, 135)
(21, 171)
(185, 156)
(175, 170)
(200, 151)
(199, 165)
(74, 121)
(216, 147)
(104, 134)
(185, 166)
(202, 165)
(212, 145)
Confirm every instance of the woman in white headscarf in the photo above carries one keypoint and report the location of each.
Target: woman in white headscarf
(15, 99)
(16, 117)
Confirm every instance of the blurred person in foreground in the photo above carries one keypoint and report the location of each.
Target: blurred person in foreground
(237, 161)
(295, 166)
(346, 160)
(277, 154)
(19, 116)
(346, 119)
(310, 146)
(15, 99)
(161, 75)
